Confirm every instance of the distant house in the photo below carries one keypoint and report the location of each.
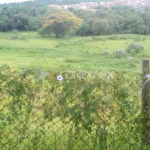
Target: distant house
(54, 6)
(118, 2)
(137, 5)
(92, 6)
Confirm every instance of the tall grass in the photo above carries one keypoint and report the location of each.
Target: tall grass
(30, 49)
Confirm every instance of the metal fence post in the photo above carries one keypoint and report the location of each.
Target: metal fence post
(145, 105)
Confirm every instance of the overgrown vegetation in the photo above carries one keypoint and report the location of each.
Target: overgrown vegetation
(21, 16)
(31, 16)
(60, 23)
(81, 109)
(77, 113)
(134, 48)
(28, 49)
(119, 53)
(121, 19)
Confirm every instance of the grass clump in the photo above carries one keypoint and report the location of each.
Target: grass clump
(106, 52)
(132, 62)
(134, 48)
(119, 53)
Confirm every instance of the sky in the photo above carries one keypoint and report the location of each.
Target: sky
(11, 1)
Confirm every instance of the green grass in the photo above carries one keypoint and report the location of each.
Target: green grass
(70, 53)
(36, 132)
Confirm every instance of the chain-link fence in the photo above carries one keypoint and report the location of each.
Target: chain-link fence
(43, 111)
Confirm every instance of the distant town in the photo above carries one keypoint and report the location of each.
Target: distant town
(92, 6)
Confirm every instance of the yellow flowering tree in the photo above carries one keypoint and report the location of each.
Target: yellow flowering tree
(61, 22)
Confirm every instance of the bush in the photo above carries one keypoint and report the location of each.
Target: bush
(134, 48)
(69, 110)
(43, 32)
(106, 52)
(119, 53)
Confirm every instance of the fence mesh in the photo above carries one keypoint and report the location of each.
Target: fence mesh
(42, 111)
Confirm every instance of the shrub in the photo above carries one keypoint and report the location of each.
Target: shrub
(106, 52)
(119, 53)
(134, 48)
(37, 106)
(43, 32)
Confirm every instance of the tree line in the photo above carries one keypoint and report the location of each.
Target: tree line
(22, 16)
(117, 20)
(32, 16)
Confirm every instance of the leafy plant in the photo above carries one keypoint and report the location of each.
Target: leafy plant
(119, 53)
(87, 113)
(134, 48)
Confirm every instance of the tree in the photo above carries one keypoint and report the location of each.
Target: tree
(34, 23)
(135, 24)
(100, 27)
(43, 31)
(62, 22)
(116, 23)
(146, 18)
(19, 21)
(84, 30)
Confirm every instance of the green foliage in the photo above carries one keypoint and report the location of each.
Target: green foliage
(135, 24)
(43, 31)
(21, 16)
(118, 19)
(100, 27)
(134, 48)
(95, 109)
(84, 30)
(61, 22)
(32, 50)
(30, 16)
(119, 53)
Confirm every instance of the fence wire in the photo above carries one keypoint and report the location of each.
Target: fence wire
(43, 111)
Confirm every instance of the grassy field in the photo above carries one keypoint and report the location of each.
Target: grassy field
(30, 109)
(70, 53)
